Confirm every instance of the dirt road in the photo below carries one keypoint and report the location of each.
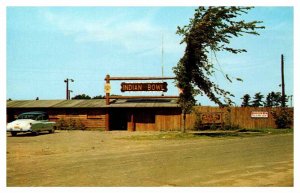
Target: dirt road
(90, 158)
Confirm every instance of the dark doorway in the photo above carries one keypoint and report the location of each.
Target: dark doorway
(118, 119)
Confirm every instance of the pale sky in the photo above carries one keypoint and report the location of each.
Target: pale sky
(46, 45)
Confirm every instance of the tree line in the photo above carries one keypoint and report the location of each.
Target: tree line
(273, 99)
(84, 96)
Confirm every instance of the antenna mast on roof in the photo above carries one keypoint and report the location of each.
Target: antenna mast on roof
(162, 57)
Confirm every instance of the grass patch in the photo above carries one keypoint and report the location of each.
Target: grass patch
(162, 136)
(210, 134)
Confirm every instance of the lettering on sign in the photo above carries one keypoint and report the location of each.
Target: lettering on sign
(209, 118)
(144, 86)
(259, 114)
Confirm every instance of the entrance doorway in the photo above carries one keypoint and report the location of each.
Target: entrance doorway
(118, 119)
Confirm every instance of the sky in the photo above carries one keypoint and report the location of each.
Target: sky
(46, 45)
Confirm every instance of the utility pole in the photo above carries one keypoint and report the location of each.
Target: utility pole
(70, 93)
(291, 96)
(282, 82)
(162, 59)
(67, 88)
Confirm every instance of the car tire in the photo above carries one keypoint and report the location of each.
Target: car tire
(51, 131)
(36, 133)
(13, 133)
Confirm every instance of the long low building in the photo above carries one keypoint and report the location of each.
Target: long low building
(143, 114)
(123, 114)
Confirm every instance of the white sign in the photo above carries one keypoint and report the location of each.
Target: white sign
(259, 114)
(107, 88)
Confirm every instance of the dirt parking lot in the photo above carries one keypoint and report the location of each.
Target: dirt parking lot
(91, 158)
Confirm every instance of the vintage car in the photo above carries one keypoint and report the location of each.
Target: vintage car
(34, 122)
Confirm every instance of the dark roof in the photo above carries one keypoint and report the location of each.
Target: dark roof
(93, 103)
(144, 103)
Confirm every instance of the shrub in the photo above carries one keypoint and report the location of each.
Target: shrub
(283, 118)
(231, 127)
(198, 122)
(70, 124)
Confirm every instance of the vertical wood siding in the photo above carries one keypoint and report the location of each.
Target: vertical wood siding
(238, 116)
(156, 119)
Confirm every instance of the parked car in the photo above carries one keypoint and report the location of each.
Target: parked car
(34, 122)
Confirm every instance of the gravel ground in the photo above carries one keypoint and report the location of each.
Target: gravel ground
(101, 159)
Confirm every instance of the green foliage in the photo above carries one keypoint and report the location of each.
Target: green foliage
(99, 97)
(273, 99)
(81, 96)
(283, 118)
(70, 124)
(211, 134)
(208, 32)
(198, 122)
(231, 127)
(257, 100)
(246, 100)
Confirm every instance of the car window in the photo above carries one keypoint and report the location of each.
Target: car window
(28, 116)
(40, 117)
(44, 117)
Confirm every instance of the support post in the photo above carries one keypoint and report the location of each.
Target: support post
(107, 103)
(282, 82)
(67, 88)
(132, 122)
(183, 122)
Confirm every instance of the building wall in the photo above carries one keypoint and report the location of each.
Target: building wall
(157, 119)
(91, 118)
(146, 119)
(153, 119)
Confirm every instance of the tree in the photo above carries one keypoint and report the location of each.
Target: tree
(99, 97)
(208, 32)
(246, 100)
(257, 100)
(81, 96)
(273, 99)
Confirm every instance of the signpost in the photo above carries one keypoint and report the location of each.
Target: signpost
(125, 87)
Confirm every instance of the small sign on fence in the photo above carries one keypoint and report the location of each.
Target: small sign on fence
(210, 118)
(259, 114)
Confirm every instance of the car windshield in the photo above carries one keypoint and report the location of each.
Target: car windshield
(28, 116)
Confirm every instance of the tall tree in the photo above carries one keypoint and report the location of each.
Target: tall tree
(246, 100)
(273, 99)
(208, 32)
(258, 100)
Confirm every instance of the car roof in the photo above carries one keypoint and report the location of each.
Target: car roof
(33, 112)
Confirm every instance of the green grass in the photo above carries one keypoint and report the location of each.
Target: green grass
(210, 134)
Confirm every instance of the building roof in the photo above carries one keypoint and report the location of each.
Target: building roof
(93, 103)
(144, 103)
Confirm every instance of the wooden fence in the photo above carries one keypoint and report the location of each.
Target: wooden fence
(243, 117)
